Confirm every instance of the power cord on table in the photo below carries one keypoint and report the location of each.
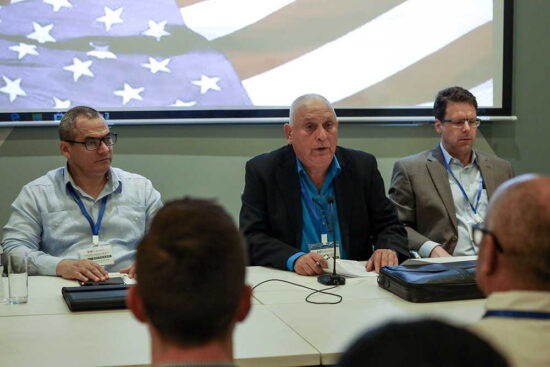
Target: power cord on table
(315, 291)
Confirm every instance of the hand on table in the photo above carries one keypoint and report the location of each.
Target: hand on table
(439, 251)
(310, 264)
(130, 270)
(83, 270)
(381, 258)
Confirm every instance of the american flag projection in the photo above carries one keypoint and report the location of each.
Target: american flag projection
(149, 54)
(125, 53)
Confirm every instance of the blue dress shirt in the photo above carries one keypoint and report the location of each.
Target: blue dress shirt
(47, 225)
(316, 214)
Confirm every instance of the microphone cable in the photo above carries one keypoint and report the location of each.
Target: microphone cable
(315, 291)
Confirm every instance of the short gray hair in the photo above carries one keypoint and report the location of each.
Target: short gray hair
(67, 123)
(302, 100)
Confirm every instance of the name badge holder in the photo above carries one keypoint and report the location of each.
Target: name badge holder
(326, 250)
(102, 255)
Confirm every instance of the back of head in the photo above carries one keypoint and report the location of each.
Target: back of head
(305, 100)
(424, 343)
(452, 94)
(519, 217)
(190, 270)
(68, 121)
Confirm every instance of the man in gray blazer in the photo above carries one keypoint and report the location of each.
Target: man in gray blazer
(440, 193)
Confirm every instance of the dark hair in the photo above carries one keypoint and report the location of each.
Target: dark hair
(423, 343)
(67, 123)
(190, 270)
(452, 94)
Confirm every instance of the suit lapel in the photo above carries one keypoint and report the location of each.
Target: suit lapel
(436, 167)
(343, 186)
(486, 172)
(288, 184)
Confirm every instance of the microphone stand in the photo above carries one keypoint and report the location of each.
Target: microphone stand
(332, 279)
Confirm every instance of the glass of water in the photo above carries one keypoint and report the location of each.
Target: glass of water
(3, 295)
(18, 278)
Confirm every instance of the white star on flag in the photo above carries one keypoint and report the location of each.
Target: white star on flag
(59, 103)
(12, 88)
(156, 30)
(156, 66)
(24, 49)
(111, 17)
(129, 93)
(41, 34)
(79, 68)
(180, 103)
(101, 52)
(58, 4)
(206, 83)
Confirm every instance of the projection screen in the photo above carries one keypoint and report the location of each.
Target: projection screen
(171, 61)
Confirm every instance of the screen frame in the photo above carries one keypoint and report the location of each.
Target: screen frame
(276, 115)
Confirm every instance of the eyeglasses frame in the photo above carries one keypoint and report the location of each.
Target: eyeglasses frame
(113, 137)
(464, 121)
(478, 227)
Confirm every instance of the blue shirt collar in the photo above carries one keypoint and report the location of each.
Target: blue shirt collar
(333, 170)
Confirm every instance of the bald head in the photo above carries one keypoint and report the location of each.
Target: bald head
(304, 101)
(519, 216)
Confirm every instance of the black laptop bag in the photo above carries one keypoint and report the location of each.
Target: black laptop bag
(431, 282)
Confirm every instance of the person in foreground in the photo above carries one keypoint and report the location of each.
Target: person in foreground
(440, 193)
(423, 343)
(513, 270)
(305, 195)
(190, 290)
(84, 219)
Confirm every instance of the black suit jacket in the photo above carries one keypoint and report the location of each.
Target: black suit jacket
(271, 212)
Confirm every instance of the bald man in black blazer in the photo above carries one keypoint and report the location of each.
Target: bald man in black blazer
(271, 217)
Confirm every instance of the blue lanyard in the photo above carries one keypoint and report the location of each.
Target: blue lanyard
(94, 226)
(518, 314)
(313, 210)
(479, 191)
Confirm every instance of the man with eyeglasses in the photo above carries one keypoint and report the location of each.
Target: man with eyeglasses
(82, 220)
(513, 270)
(440, 193)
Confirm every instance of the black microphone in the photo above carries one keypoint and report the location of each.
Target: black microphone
(332, 279)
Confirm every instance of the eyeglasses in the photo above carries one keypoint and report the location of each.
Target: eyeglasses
(459, 123)
(477, 236)
(94, 143)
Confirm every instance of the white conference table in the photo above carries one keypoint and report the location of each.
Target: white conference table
(282, 329)
(44, 332)
(331, 328)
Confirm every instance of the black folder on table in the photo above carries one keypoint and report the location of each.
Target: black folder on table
(431, 282)
(95, 297)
